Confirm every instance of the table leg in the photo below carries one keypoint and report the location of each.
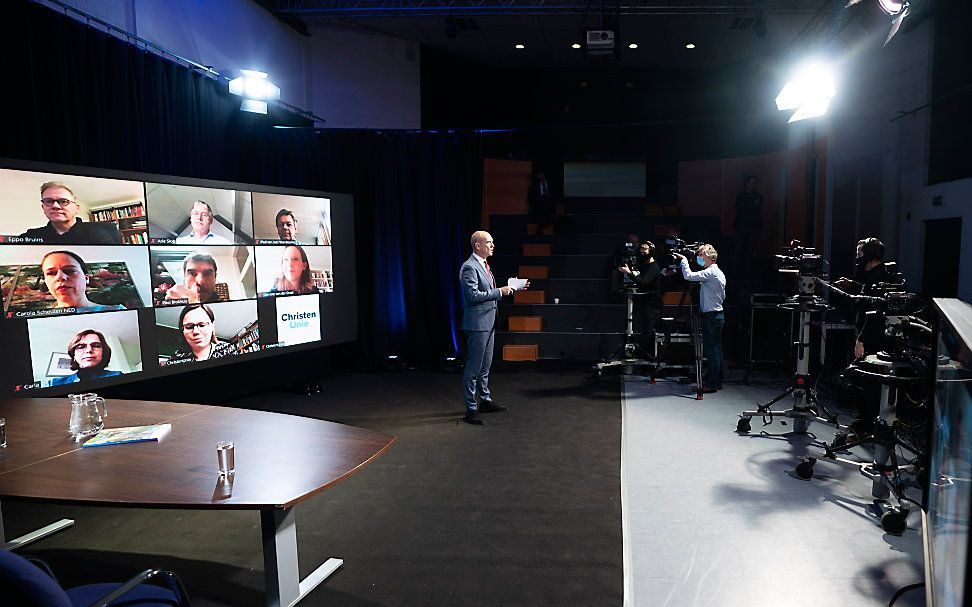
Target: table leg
(283, 583)
(33, 536)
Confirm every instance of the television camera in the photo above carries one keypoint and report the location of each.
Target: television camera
(677, 245)
(796, 257)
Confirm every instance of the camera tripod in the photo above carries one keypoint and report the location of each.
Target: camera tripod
(884, 471)
(629, 354)
(805, 406)
(696, 330)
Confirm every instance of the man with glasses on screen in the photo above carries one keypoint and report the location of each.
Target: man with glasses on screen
(201, 220)
(64, 226)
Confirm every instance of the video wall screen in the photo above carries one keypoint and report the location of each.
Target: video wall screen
(107, 278)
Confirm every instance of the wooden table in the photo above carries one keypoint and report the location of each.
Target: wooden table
(281, 460)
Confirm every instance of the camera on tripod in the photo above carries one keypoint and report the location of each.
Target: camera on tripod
(796, 257)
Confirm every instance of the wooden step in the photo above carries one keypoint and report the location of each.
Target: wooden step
(534, 272)
(670, 298)
(526, 323)
(532, 229)
(521, 352)
(536, 249)
(529, 297)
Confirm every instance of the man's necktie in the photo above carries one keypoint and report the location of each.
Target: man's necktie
(492, 283)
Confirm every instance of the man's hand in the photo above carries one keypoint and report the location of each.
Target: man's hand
(624, 269)
(858, 349)
(527, 285)
(843, 282)
(504, 291)
(678, 256)
(181, 292)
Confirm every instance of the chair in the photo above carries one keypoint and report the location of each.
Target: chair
(30, 583)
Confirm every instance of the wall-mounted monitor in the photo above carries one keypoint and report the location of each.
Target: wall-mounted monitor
(109, 277)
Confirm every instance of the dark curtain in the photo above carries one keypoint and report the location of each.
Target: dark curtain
(79, 96)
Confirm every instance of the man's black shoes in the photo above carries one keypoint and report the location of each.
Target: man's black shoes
(491, 407)
(472, 417)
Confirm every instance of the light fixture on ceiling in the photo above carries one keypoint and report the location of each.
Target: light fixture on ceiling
(690, 45)
(519, 46)
(633, 45)
(898, 12)
(575, 45)
(809, 91)
(892, 7)
(255, 89)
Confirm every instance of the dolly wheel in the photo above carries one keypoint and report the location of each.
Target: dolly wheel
(804, 470)
(744, 425)
(895, 521)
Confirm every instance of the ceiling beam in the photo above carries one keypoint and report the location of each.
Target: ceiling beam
(324, 9)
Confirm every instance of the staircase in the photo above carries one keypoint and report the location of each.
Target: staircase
(569, 311)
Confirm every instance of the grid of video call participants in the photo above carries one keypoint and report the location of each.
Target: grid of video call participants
(106, 277)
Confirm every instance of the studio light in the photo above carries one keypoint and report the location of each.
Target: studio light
(518, 46)
(892, 7)
(632, 45)
(575, 45)
(255, 89)
(450, 363)
(394, 362)
(690, 45)
(809, 92)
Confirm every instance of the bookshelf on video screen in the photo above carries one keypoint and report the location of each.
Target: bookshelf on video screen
(108, 278)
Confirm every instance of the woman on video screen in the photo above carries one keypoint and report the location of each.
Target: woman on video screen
(66, 276)
(294, 272)
(90, 355)
(198, 326)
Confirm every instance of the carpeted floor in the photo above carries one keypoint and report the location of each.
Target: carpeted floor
(522, 511)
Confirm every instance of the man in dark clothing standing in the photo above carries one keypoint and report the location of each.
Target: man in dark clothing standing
(541, 201)
(647, 276)
(748, 224)
(869, 271)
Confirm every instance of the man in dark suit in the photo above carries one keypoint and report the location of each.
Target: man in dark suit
(479, 297)
(542, 202)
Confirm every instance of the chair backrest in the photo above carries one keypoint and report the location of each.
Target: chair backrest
(24, 583)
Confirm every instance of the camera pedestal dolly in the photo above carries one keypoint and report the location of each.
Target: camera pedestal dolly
(883, 471)
(805, 407)
(629, 354)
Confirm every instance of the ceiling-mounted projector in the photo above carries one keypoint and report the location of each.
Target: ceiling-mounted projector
(600, 40)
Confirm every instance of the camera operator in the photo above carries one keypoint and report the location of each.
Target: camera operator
(646, 274)
(713, 293)
(869, 270)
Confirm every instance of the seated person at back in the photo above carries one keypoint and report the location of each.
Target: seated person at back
(90, 355)
(198, 280)
(201, 220)
(64, 226)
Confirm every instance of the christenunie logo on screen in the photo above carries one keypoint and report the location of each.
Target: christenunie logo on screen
(298, 319)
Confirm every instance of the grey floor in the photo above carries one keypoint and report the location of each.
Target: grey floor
(712, 517)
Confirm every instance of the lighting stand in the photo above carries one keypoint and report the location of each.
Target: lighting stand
(629, 354)
(805, 407)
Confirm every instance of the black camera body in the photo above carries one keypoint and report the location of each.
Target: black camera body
(677, 245)
(795, 257)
